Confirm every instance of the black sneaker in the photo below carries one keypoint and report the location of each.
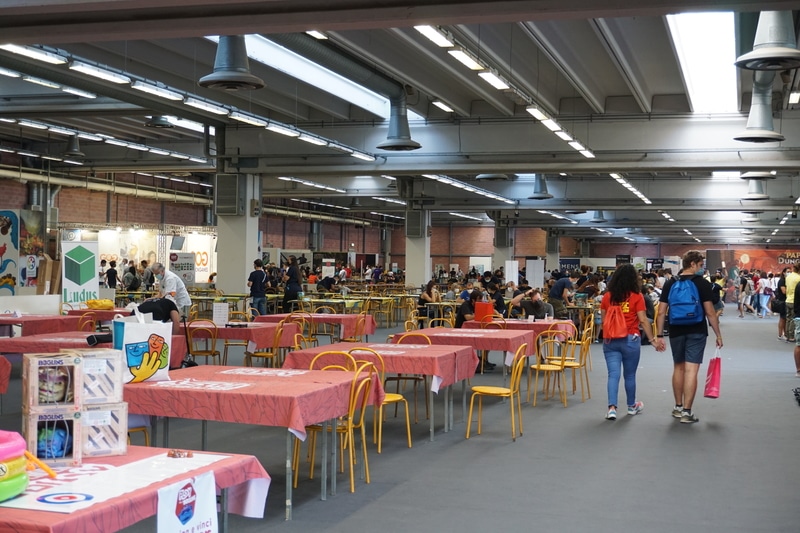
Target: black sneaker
(687, 417)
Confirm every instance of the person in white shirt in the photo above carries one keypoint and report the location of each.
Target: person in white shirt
(171, 286)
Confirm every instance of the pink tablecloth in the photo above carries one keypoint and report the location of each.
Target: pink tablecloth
(267, 396)
(37, 324)
(257, 335)
(536, 327)
(503, 340)
(47, 343)
(447, 364)
(345, 321)
(103, 315)
(233, 473)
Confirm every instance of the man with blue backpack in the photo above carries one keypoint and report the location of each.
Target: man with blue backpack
(686, 303)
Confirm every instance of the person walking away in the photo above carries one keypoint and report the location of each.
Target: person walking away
(112, 276)
(764, 292)
(147, 276)
(292, 284)
(171, 286)
(779, 303)
(687, 335)
(622, 353)
(258, 287)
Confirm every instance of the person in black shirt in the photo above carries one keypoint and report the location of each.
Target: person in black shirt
(497, 298)
(329, 284)
(112, 276)
(163, 310)
(258, 284)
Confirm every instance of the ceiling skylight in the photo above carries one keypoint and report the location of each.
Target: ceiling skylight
(706, 48)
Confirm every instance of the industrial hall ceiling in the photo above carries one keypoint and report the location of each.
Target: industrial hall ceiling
(606, 120)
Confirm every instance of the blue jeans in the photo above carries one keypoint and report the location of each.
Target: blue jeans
(259, 303)
(622, 354)
(764, 300)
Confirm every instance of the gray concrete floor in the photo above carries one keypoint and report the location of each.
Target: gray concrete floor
(734, 471)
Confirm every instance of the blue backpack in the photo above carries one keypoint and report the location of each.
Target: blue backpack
(685, 307)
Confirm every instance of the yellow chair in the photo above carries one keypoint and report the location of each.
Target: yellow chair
(383, 308)
(144, 430)
(88, 321)
(493, 321)
(324, 329)
(194, 312)
(358, 334)
(65, 307)
(334, 360)
(272, 354)
(440, 323)
(306, 325)
(547, 347)
(234, 316)
(389, 398)
(413, 337)
(579, 366)
(203, 333)
(512, 393)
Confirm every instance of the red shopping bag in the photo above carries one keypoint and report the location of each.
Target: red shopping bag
(713, 377)
(483, 309)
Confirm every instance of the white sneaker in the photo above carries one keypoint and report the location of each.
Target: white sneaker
(636, 408)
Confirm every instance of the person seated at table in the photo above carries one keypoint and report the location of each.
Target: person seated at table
(467, 312)
(534, 306)
(429, 295)
(163, 310)
(450, 295)
(328, 284)
(464, 296)
(496, 296)
(589, 287)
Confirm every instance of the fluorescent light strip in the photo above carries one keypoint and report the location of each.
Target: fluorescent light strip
(312, 184)
(577, 146)
(7, 150)
(564, 136)
(248, 119)
(556, 215)
(317, 35)
(97, 72)
(390, 200)
(536, 113)
(117, 142)
(178, 155)
(283, 130)
(341, 148)
(435, 35)
(26, 153)
(551, 124)
(466, 59)
(156, 90)
(320, 204)
(363, 156)
(9, 73)
(35, 53)
(607, 232)
(386, 215)
(205, 106)
(386, 176)
(310, 139)
(159, 151)
(73, 162)
(466, 216)
(469, 188)
(698, 240)
(444, 107)
(198, 160)
(43, 83)
(89, 136)
(686, 231)
(794, 97)
(36, 125)
(495, 81)
(9, 120)
(60, 131)
(78, 92)
(622, 181)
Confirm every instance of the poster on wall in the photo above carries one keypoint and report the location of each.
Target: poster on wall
(751, 259)
(205, 257)
(9, 251)
(79, 267)
(134, 245)
(31, 246)
(183, 264)
(623, 259)
(328, 268)
(568, 264)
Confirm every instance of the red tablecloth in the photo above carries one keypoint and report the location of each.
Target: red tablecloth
(123, 511)
(536, 327)
(103, 315)
(267, 396)
(76, 339)
(447, 364)
(503, 340)
(256, 335)
(345, 321)
(38, 324)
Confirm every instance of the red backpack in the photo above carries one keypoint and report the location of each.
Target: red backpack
(614, 326)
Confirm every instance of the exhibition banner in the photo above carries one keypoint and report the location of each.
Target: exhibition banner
(79, 272)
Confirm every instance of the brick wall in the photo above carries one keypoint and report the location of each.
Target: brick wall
(529, 242)
(15, 194)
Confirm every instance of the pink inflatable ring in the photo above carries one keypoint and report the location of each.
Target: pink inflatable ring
(12, 445)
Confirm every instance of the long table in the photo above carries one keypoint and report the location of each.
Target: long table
(103, 315)
(346, 322)
(257, 335)
(237, 478)
(292, 399)
(536, 327)
(38, 324)
(54, 342)
(445, 364)
(504, 340)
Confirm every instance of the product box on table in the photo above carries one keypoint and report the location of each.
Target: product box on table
(52, 380)
(104, 429)
(53, 434)
(103, 375)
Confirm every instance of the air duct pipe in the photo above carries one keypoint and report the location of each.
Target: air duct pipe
(116, 188)
(34, 196)
(399, 136)
(759, 122)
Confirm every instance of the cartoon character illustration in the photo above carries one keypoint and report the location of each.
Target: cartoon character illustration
(54, 385)
(5, 224)
(3, 251)
(146, 358)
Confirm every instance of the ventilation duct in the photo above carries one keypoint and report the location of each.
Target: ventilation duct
(159, 122)
(492, 177)
(751, 218)
(597, 218)
(774, 46)
(540, 188)
(34, 196)
(73, 148)
(355, 202)
(231, 67)
(759, 122)
(756, 190)
(399, 135)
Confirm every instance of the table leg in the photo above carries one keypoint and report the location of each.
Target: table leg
(464, 400)
(324, 456)
(334, 457)
(289, 476)
(223, 503)
(154, 427)
(432, 411)
(450, 401)
(204, 436)
(166, 432)
(446, 413)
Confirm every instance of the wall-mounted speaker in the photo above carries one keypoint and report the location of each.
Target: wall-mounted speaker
(503, 238)
(552, 244)
(585, 248)
(415, 224)
(229, 194)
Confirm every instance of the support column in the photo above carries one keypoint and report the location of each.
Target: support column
(503, 249)
(418, 248)
(552, 247)
(237, 239)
